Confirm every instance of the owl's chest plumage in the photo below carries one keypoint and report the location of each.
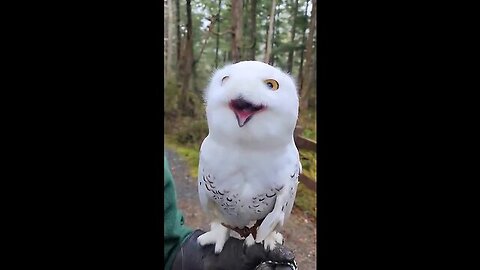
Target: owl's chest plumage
(242, 185)
(238, 199)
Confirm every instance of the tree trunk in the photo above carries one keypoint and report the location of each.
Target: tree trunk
(170, 40)
(302, 54)
(165, 39)
(313, 78)
(308, 77)
(245, 28)
(267, 26)
(237, 25)
(270, 34)
(179, 45)
(253, 30)
(292, 38)
(218, 31)
(275, 36)
(186, 68)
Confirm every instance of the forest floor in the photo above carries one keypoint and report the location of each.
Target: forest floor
(299, 231)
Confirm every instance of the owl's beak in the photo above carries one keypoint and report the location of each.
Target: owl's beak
(244, 110)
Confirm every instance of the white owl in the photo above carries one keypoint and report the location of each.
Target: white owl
(249, 164)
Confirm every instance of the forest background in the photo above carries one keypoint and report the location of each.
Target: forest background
(201, 36)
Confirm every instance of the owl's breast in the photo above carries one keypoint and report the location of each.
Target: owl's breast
(239, 200)
(242, 184)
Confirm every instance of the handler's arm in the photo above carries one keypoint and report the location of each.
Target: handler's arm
(174, 230)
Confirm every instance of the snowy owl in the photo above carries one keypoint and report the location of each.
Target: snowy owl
(249, 164)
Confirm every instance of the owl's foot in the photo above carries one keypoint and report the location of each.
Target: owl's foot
(272, 239)
(249, 241)
(217, 235)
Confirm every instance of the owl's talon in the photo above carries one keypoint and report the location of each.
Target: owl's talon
(217, 235)
(249, 241)
(272, 240)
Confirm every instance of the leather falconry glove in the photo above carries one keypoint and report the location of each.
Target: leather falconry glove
(234, 256)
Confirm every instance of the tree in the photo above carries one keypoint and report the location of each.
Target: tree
(237, 25)
(170, 40)
(253, 30)
(268, 49)
(179, 45)
(302, 54)
(186, 63)
(309, 73)
(276, 35)
(218, 31)
(292, 37)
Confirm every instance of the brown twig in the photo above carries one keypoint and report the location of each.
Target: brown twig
(213, 19)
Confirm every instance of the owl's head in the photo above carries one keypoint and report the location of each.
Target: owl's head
(251, 103)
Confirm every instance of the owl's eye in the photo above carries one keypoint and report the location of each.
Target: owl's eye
(272, 84)
(224, 79)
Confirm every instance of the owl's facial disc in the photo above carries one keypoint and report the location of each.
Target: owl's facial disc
(244, 110)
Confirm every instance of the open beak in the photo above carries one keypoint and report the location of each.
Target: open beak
(244, 110)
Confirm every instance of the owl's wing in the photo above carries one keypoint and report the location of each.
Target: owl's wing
(283, 205)
(207, 192)
(205, 201)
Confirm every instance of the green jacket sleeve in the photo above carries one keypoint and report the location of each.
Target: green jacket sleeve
(174, 230)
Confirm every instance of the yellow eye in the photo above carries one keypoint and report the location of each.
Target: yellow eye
(272, 84)
(225, 79)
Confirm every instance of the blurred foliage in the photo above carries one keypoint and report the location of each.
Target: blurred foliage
(309, 163)
(306, 200)
(192, 133)
(170, 102)
(189, 153)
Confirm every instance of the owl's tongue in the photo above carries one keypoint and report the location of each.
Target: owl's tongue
(244, 110)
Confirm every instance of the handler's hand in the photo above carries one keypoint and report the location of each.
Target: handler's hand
(234, 256)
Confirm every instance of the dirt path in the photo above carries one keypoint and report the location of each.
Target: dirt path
(300, 232)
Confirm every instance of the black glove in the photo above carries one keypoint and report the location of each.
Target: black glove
(234, 256)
